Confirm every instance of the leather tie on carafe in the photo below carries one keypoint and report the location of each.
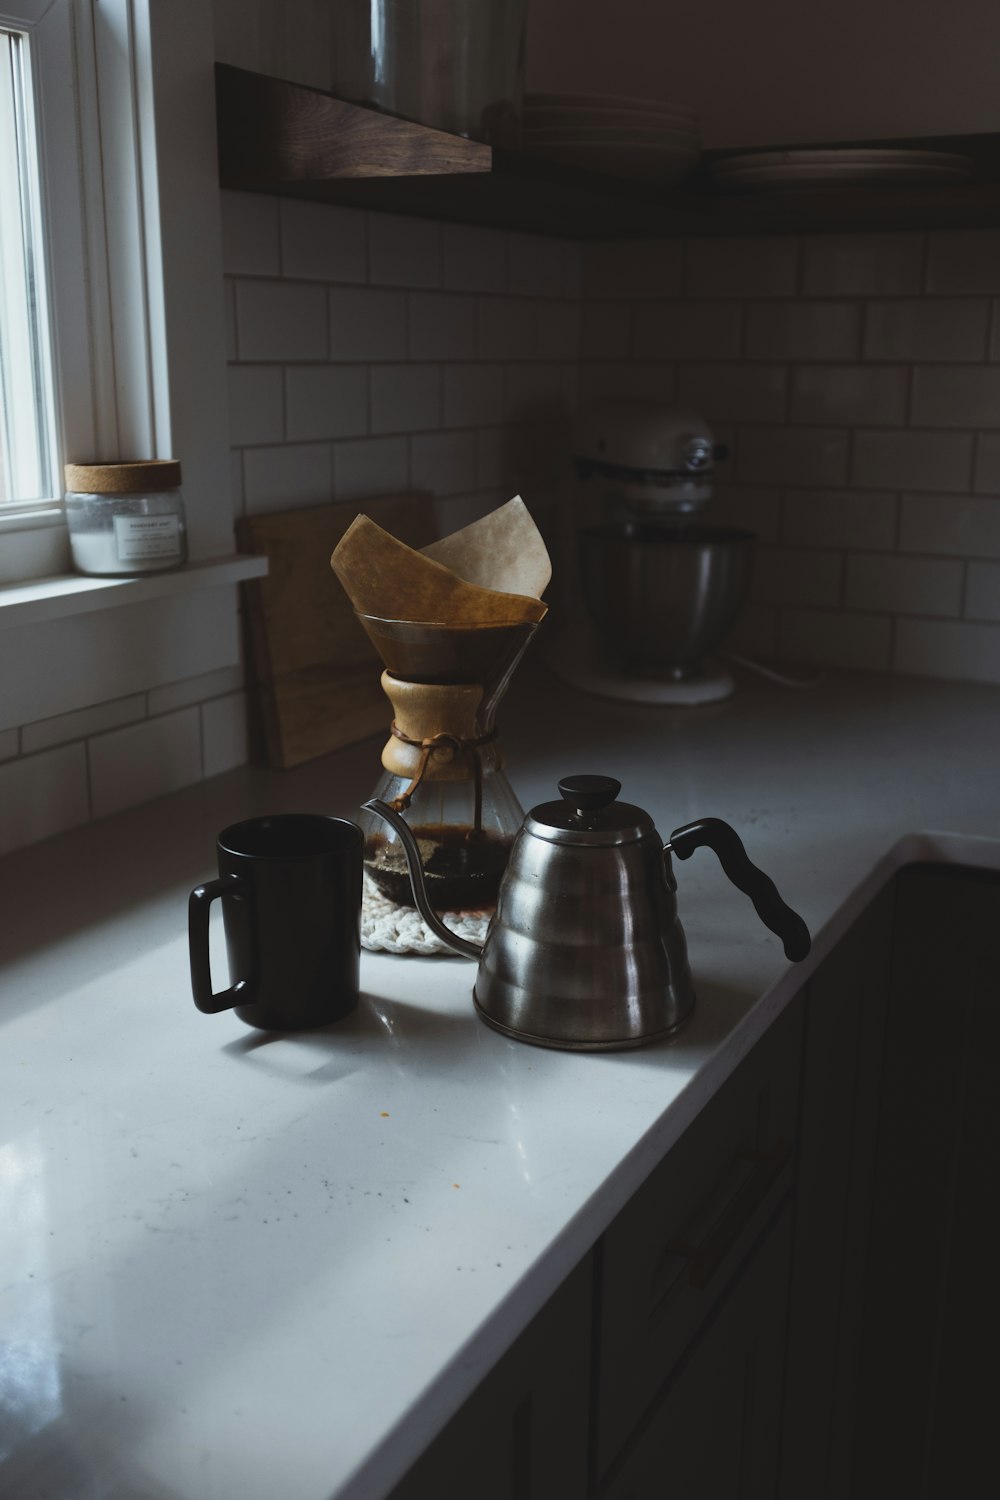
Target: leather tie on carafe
(422, 707)
(445, 741)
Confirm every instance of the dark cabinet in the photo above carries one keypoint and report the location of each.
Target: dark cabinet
(522, 1434)
(798, 1302)
(672, 1251)
(714, 1433)
(683, 1296)
(845, 1015)
(890, 1383)
(928, 1386)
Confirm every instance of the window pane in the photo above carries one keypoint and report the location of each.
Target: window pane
(27, 448)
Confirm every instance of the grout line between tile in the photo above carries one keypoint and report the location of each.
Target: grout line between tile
(800, 266)
(892, 642)
(925, 264)
(684, 269)
(993, 329)
(911, 380)
(88, 778)
(963, 588)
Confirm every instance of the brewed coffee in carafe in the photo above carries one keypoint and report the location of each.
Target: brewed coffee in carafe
(443, 770)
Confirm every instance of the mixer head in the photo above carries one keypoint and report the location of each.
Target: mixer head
(653, 458)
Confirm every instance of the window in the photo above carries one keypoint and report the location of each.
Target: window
(28, 451)
(126, 204)
(59, 384)
(124, 103)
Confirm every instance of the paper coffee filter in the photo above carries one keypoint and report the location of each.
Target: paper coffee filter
(503, 550)
(385, 578)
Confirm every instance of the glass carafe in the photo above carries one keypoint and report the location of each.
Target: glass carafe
(443, 770)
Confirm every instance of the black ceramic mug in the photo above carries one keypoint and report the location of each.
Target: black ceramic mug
(290, 887)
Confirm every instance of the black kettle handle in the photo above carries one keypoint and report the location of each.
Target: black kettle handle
(761, 889)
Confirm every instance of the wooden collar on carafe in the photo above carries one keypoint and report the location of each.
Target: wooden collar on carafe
(435, 735)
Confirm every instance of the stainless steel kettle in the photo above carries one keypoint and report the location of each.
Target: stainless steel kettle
(585, 950)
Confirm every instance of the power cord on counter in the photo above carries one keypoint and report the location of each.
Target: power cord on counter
(772, 675)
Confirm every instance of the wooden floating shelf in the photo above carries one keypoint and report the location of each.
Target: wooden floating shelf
(298, 142)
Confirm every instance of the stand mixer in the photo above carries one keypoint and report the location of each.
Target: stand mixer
(660, 587)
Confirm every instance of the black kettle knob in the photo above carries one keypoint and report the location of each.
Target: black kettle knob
(588, 794)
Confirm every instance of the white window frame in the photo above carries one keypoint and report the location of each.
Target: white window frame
(132, 241)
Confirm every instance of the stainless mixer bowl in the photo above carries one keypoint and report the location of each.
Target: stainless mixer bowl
(663, 596)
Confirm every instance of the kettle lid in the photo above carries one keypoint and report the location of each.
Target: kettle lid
(589, 814)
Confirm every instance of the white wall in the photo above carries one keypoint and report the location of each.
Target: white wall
(757, 71)
(774, 71)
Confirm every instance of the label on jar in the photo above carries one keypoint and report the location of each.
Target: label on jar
(147, 536)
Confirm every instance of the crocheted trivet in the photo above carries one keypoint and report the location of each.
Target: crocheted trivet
(388, 928)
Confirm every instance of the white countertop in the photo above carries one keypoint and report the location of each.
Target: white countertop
(235, 1266)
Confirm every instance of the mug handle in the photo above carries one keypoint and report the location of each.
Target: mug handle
(199, 903)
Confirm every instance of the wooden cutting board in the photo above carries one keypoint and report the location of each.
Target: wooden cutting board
(314, 673)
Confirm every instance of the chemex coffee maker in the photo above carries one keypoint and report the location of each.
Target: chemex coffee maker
(658, 586)
(450, 622)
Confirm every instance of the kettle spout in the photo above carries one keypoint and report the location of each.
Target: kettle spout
(389, 815)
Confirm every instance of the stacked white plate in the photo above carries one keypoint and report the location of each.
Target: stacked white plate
(843, 166)
(637, 138)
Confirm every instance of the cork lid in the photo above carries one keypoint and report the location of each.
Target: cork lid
(148, 476)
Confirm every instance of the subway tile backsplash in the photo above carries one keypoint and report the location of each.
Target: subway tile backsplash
(320, 242)
(956, 396)
(862, 265)
(909, 460)
(145, 760)
(856, 379)
(964, 261)
(850, 394)
(803, 330)
(950, 525)
(224, 733)
(929, 329)
(325, 401)
(66, 770)
(982, 596)
(793, 455)
(367, 324)
(43, 794)
(765, 266)
(444, 356)
(280, 320)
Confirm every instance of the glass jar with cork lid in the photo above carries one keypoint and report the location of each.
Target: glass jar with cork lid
(126, 518)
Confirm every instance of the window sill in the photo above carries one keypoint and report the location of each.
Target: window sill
(75, 594)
